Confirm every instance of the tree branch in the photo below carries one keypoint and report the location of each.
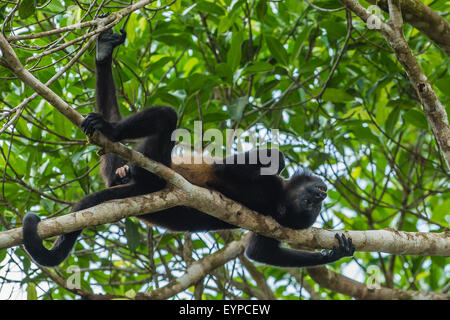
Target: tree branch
(215, 204)
(110, 20)
(339, 283)
(424, 19)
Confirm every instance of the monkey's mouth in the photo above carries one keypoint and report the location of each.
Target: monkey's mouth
(322, 189)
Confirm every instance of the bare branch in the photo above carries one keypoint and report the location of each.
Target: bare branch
(112, 20)
(215, 204)
(339, 283)
(425, 19)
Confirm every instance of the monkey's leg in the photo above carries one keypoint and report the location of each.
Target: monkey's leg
(268, 250)
(155, 124)
(106, 98)
(105, 89)
(64, 244)
(157, 147)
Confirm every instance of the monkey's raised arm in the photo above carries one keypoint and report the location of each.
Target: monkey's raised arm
(269, 251)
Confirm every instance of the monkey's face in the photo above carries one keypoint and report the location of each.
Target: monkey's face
(303, 201)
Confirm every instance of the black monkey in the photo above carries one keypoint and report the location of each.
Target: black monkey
(294, 203)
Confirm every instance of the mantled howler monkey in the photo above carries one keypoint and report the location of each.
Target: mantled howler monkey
(294, 203)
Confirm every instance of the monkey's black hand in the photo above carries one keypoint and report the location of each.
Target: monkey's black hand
(107, 41)
(95, 121)
(345, 249)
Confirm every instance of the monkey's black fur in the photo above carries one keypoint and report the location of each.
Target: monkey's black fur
(294, 203)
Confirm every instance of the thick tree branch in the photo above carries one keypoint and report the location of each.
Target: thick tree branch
(425, 19)
(339, 283)
(433, 108)
(214, 203)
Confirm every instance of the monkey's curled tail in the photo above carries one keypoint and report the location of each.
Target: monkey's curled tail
(34, 246)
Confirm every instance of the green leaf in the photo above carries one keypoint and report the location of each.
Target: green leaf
(225, 24)
(353, 112)
(392, 120)
(441, 211)
(416, 118)
(27, 8)
(277, 50)
(298, 44)
(234, 53)
(210, 7)
(223, 71)
(31, 292)
(55, 6)
(196, 82)
(261, 9)
(181, 40)
(336, 95)
(3, 255)
(298, 121)
(381, 114)
(132, 234)
(62, 125)
(260, 66)
(237, 108)
(266, 87)
(131, 28)
(335, 29)
(365, 134)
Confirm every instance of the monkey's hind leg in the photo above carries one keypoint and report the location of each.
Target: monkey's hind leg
(106, 98)
(106, 42)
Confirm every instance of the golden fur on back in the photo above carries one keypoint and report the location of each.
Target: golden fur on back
(196, 168)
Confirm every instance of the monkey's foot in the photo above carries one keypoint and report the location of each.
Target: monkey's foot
(345, 249)
(107, 41)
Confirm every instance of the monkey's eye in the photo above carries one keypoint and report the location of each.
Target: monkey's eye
(306, 202)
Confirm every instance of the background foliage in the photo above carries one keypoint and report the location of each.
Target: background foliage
(342, 102)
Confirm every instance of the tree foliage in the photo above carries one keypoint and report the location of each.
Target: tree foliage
(343, 104)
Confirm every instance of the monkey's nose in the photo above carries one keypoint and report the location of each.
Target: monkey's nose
(320, 191)
(319, 195)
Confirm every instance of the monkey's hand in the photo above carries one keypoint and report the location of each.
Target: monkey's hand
(95, 121)
(345, 249)
(122, 175)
